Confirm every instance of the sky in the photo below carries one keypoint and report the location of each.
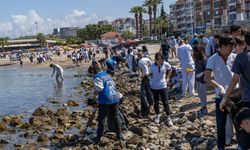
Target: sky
(18, 17)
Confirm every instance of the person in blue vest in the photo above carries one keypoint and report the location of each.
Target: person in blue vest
(108, 101)
(111, 65)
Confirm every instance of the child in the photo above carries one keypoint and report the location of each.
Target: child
(200, 64)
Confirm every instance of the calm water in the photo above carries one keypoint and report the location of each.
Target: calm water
(24, 89)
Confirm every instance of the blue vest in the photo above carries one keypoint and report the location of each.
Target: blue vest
(109, 93)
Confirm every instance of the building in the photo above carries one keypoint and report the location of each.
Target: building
(103, 22)
(66, 31)
(124, 24)
(26, 44)
(207, 15)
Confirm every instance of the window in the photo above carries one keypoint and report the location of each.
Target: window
(216, 13)
(232, 17)
(216, 4)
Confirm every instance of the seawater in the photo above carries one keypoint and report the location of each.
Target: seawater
(24, 89)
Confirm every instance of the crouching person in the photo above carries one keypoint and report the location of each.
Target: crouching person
(108, 101)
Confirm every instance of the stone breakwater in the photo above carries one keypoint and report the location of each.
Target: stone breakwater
(47, 128)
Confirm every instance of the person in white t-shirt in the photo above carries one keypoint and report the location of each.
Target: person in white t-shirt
(145, 92)
(59, 71)
(158, 85)
(185, 54)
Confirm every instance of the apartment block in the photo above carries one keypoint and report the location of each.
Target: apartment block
(189, 16)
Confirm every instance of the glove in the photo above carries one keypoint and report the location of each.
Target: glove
(199, 75)
(221, 90)
(222, 104)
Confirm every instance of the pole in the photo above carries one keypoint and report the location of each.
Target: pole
(36, 27)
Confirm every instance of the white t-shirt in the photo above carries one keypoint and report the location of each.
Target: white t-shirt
(158, 80)
(58, 68)
(222, 72)
(185, 55)
(144, 65)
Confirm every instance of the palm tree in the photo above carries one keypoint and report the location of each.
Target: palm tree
(149, 4)
(3, 42)
(135, 11)
(160, 23)
(141, 11)
(41, 38)
(155, 4)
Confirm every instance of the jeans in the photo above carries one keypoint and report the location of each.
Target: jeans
(202, 93)
(164, 98)
(221, 119)
(146, 96)
(110, 111)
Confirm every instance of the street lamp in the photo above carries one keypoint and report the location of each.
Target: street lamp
(36, 27)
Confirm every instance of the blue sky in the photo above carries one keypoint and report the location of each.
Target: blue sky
(18, 16)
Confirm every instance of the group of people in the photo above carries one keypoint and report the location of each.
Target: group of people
(222, 62)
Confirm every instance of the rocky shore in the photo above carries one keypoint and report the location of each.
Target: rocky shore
(50, 128)
(60, 125)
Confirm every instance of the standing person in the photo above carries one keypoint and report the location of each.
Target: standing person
(108, 101)
(194, 41)
(240, 45)
(90, 54)
(212, 46)
(158, 85)
(220, 65)
(185, 54)
(145, 51)
(20, 59)
(165, 50)
(59, 71)
(200, 66)
(145, 92)
(172, 44)
(129, 59)
(31, 57)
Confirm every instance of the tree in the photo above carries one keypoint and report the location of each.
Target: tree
(135, 11)
(127, 35)
(155, 4)
(41, 38)
(163, 15)
(160, 23)
(149, 4)
(93, 31)
(3, 42)
(141, 11)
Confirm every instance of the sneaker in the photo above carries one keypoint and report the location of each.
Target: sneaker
(194, 94)
(120, 138)
(95, 140)
(157, 119)
(169, 121)
(203, 110)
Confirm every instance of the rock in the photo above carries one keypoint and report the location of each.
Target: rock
(3, 141)
(40, 111)
(72, 138)
(6, 119)
(16, 120)
(42, 138)
(134, 140)
(18, 146)
(192, 116)
(62, 112)
(127, 134)
(131, 146)
(3, 126)
(154, 129)
(184, 146)
(23, 126)
(59, 131)
(208, 123)
(35, 121)
(137, 130)
(72, 103)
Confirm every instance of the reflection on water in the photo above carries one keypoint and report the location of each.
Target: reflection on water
(58, 89)
(24, 89)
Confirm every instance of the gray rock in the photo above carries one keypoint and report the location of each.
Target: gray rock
(154, 129)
